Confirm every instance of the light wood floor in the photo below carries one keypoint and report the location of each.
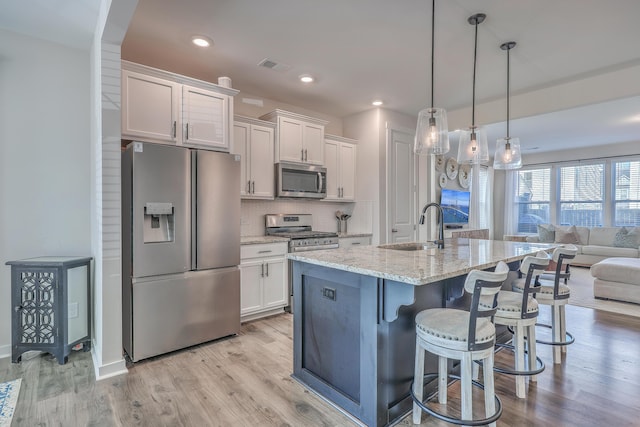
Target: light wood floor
(245, 381)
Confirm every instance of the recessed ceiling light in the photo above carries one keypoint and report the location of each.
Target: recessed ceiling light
(377, 103)
(306, 78)
(201, 41)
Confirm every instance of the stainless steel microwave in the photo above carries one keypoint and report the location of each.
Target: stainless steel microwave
(301, 181)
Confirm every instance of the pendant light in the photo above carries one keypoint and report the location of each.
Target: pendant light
(432, 134)
(508, 154)
(472, 147)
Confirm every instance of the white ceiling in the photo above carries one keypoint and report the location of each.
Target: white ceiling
(365, 49)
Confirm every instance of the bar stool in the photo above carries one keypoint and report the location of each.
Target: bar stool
(556, 295)
(519, 311)
(462, 335)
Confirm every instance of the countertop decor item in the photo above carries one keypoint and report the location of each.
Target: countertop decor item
(473, 148)
(432, 133)
(508, 154)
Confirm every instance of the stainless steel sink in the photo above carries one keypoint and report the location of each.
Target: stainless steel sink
(412, 246)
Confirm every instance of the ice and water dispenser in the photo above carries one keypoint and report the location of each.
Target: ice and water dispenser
(159, 224)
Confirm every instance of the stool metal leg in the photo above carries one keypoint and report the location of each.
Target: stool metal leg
(489, 388)
(418, 380)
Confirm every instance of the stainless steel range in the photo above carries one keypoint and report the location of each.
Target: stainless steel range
(298, 229)
(302, 238)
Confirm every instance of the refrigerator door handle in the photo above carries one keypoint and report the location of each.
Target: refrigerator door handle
(267, 264)
(262, 270)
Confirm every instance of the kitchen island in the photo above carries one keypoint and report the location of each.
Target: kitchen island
(354, 310)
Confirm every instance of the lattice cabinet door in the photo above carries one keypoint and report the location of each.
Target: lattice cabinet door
(51, 305)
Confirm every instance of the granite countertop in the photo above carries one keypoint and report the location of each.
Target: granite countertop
(355, 235)
(420, 267)
(254, 240)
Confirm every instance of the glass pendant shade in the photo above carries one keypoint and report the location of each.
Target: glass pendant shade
(432, 133)
(507, 154)
(473, 147)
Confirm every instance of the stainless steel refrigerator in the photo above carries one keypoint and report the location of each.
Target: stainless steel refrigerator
(180, 247)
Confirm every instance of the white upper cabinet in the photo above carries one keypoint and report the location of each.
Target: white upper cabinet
(149, 107)
(340, 161)
(159, 106)
(253, 140)
(205, 118)
(299, 139)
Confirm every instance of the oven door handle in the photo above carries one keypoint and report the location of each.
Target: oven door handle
(315, 248)
(319, 182)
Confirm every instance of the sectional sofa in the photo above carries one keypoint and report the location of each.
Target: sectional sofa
(594, 243)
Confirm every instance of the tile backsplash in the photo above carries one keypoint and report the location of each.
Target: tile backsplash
(253, 212)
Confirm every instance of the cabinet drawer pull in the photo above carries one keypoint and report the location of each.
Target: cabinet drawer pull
(355, 243)
(265, 252)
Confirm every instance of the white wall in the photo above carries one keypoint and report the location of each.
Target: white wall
(45, 205)
(370, 129)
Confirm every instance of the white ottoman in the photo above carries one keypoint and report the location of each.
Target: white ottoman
(617, 279)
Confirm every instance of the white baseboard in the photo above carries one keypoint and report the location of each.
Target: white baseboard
(104, 371)
(5, 351)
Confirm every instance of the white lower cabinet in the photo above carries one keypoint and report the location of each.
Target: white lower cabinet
(346, 242)
(263, 280)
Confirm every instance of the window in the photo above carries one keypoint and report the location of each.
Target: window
(626, 203)
(533, 199)
(582, 195)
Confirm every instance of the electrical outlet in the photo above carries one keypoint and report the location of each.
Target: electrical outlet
(73, 310)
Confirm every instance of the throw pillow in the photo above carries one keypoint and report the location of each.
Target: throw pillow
(546, 233)
(567, 236)
(626, 239)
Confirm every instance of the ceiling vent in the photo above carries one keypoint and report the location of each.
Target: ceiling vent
(273, 65)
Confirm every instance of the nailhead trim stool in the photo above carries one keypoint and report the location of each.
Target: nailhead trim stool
(557, 296)
(519, 311)
(462, 335)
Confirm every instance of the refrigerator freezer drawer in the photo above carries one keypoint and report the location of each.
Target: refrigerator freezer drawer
(178, 311)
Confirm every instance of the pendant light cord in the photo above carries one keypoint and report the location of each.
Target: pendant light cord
(473, 99)
(508, 96)
(433, 32)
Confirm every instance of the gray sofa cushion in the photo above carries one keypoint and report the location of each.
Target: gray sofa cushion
(546, 233)
(626, 238)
